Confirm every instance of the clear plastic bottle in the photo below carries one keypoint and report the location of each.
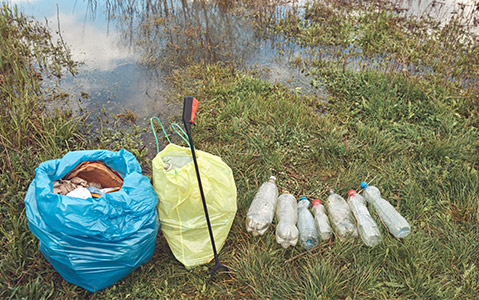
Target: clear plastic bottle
(341, 217)
(261, 212)
(368, 230)
(308, 235)
(287, 215)
(396, 223)
(321, 220)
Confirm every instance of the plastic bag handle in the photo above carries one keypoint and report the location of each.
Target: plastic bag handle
(154, 132)
(174, 126)
(183, 134)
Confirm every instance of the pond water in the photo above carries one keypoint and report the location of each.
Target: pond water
(465, 11)
(130, 47)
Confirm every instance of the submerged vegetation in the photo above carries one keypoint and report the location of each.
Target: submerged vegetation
(401, 111)
(367, 37)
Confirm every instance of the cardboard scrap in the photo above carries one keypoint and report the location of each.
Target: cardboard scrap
(96, 171)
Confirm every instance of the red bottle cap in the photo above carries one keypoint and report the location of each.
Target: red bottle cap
(316, 201)
(351, 192)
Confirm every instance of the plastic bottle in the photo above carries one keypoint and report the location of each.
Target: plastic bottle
(368, 230)
(287, 214)
(396, 223)
(341, 217)
(321, 220)
(261, 212)
(308, 235)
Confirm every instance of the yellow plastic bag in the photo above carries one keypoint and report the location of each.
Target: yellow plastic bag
(180, 208)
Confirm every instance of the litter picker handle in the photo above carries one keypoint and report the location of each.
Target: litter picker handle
(190, 106)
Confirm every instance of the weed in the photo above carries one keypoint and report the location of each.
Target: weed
(127, 116)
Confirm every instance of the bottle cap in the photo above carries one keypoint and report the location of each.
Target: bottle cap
(303, 198)
(364, 185)
(316, 201)
(272, 178)
(351, 192)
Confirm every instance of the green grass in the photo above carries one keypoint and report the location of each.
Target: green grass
(421, 152)
(34, 128)
(416, 136)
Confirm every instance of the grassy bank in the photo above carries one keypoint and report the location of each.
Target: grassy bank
(29, 134)
(35, 125)
(415, 135)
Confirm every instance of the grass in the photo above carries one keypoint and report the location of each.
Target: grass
(423, 159)
(34, 128)
(29, 134)
(417, 136)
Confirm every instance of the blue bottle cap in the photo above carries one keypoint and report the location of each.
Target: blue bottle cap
(364, 185)
(303, 198)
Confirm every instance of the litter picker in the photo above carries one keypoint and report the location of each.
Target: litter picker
(190, 106)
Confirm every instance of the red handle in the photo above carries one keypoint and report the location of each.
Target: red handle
(190, 106)
(194, 108)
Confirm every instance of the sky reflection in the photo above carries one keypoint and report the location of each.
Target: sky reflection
(128, 48)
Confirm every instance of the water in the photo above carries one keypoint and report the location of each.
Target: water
(465, 11)
(129, 48)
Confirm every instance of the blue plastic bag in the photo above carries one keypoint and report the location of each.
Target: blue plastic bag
(94, 242)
